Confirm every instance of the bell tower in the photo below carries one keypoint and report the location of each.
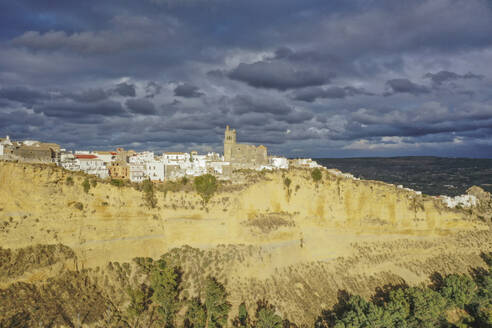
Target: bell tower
(229, 142)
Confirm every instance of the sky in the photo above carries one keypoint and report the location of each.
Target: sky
(311, 78)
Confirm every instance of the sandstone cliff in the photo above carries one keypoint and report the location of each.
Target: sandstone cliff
(278, 235)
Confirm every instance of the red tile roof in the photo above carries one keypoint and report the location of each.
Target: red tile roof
(85, 156)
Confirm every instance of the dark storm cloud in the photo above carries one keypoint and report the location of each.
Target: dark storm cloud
(406, 86)
(246, 104)
(75, 111)
(426, 119)
(141, 106)
(23, 95)
(278, 75)
(125, 89)
(445, 76)
(335, 64)
(186, 90)
(311, 94)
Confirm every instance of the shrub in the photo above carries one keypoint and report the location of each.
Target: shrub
(117, 182)
(316, 174)
(79, 206)
(196, 315)
(287, 182)
(184, 181)
(93, 183)
(86, 185)
(69, 181)
(206, 186)
(148, 193)
(266, 317)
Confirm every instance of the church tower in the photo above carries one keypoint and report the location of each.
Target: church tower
(229, 142)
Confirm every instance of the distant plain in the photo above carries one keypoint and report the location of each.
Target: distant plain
(431, 175)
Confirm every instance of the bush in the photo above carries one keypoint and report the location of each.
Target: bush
(69, 181)
(206, 185)
(184, 181)
(79, 206)
(149, 195)
(266, 317)
(287, 182)
(117, 182)
(316, 174)
(93, 183)
(86, 185)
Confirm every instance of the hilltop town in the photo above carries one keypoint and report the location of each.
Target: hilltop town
(140, 166)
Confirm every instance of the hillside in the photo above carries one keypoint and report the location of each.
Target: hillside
(275, 235)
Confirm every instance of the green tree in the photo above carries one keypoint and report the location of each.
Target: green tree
(165, 282)
(459, 290)
(206, 185)
(266, 317)
(316, 174)
(139, 302)
(148, 193)
(216, 303)
(86, 185)
(242, 320)
(360, 313)
(427, 307)
(196, 315)
(69, 181)
(398, 306)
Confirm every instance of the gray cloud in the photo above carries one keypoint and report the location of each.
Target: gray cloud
(243, 104)
(141, 106)
(23, 95)
(186, 90)
(311, 94)
(278, 75)
(152, 89)
(445, 76)
(77, 111)
(406, 86)
(125, 89)
(91, 95)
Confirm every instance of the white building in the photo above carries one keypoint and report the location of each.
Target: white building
(173, 158)
(90, 164)
(4, 143)
(461, 200)
(106, 156)
(305, 162)
(67, 161)
(137, 172)
(143, 157)
(155, 170)
(279, 162)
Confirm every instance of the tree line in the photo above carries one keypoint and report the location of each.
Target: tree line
(455, 300)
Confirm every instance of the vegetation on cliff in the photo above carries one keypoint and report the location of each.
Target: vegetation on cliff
(206, 185)
(157, 298)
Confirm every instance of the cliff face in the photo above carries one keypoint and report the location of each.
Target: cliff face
(357, 234)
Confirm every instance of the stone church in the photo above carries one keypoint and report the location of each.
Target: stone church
(243, 155)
